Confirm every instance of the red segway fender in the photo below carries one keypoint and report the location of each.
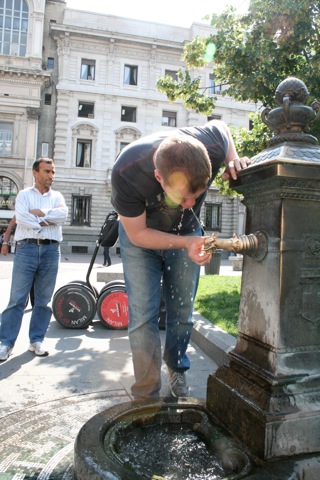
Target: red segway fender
(113, 308)
(74, 306)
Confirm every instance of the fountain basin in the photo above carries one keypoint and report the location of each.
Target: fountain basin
(163, 439)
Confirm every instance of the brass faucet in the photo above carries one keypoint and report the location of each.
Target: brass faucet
(254, 245)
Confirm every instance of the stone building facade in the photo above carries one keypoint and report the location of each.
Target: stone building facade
(84, 87)
(22, 81)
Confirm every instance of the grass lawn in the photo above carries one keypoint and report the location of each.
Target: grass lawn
(218, 301)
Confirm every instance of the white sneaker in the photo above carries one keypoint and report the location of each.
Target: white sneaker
(178, 383)
(5, 351)
(38, 349)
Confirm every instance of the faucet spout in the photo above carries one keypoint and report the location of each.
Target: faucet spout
(254, 245)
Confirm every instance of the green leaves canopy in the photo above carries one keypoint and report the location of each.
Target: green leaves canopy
(253, 53)
(250, 56)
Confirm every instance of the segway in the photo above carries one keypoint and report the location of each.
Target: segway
(74, 305)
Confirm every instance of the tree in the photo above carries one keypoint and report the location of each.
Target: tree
(275, 40)
(253, 53)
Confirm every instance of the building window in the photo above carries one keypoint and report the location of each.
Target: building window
(123, 144)
(172, 73)
(81, 208)
(214, 117)
(213, 216)
(86, 110)
(213, 87)
(6, 135)
(84, 148)
(47, 98)
(88, 69)
(126, 135)
(45, 149)
(169, 119)
(50, 63)
(128, 114)
(8, 187)
(130, 75)
(13, 27)
(79, 249)
(8, 193)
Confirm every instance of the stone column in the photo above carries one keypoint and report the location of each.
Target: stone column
(33, 115)
(268, 394)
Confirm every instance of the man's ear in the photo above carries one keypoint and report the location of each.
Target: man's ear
(158, 175)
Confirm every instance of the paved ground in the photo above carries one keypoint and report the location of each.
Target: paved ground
(45, 401)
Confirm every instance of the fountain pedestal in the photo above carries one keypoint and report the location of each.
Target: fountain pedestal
(268, 394)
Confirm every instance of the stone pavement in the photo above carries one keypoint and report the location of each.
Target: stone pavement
(45, 401)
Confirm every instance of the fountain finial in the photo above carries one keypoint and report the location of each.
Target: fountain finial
(292, 118)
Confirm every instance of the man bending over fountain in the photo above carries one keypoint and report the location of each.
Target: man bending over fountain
(159, 184)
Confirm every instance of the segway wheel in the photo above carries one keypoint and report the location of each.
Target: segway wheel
(113, 308)
(74, 306)
(112, 283)
(81, 282)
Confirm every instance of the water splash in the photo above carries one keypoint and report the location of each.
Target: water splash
(171, 452)
(181, 221)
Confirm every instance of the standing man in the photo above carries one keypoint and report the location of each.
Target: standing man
(40, 212)
(159, 184)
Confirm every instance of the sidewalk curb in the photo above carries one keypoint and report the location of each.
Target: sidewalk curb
(211, 339)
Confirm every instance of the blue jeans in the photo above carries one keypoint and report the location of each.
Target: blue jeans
(32, 263)
(144, 270)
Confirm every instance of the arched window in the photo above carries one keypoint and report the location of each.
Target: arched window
(13, 27)
(124, 136)
(85, 138)
(8, 193)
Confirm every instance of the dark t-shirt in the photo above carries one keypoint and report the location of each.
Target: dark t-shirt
(135, 188)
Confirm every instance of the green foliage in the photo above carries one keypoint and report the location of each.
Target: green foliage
(187, 90)
(218, 300)
(253, 53)
(250, 142)
(223, 185)
(275, 40)
(194, 53)
(250, 56)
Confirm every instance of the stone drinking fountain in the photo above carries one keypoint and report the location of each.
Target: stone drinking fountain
(261, 417)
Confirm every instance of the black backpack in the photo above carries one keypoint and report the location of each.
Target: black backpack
(109, 230)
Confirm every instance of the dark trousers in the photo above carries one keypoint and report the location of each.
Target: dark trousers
(106, 256)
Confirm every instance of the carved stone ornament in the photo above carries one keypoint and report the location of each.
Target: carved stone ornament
(292, 117)
(33, 113)
(290, 122)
